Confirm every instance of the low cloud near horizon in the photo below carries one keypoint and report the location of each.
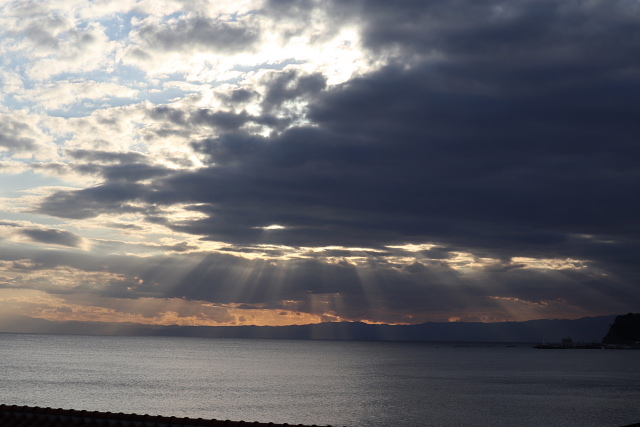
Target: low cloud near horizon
(287, 162)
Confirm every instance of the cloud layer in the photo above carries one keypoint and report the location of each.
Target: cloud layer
(298, 161)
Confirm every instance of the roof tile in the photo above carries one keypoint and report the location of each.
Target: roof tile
(27, 416)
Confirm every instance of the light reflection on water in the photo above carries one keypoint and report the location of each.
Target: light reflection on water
(323, 382)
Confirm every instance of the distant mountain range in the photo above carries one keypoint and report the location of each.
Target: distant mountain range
(588, 329)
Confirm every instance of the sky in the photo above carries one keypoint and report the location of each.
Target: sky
(282, 162)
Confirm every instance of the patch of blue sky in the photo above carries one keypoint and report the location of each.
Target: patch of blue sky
(213, 83)
(130, 73)
(126, 76)
(268, 66)
(157, 90)
(233, 17)
(13, 185)
(11, 102)
(173, 15)
(60, 139)
(34, 218)
(115, 27)
(172, 77)
(118, 27)
(84, 107)
(165, 95)
(7, 58)
(121, 74)
(13, 62)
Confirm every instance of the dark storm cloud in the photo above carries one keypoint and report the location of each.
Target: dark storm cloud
(93, 201)
(278, 87)
(499, 128)
(131, 172)
(53, 236)
(131, 166)
(532, 30)
(200, 33)
(552, 157)
(239, 96)
(289, 85)
(543, 145)
(224, 121)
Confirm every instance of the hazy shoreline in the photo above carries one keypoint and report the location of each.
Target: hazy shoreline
(585, 330)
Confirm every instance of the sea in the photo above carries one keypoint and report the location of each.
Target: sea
(338, 383)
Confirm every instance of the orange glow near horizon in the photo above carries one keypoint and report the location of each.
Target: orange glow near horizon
(145, 311)
(181, 312)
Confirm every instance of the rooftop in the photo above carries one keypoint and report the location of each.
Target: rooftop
(28, 416)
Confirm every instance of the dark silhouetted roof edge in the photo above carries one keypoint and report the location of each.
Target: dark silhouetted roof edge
(30, 416)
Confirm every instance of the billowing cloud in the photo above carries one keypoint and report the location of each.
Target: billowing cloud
(22, 137)
(196, 32)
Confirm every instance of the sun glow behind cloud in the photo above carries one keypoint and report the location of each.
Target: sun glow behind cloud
(145, 311)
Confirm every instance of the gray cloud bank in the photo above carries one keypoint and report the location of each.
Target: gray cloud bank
(505, 129)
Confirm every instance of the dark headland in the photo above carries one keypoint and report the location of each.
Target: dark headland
(624, 333)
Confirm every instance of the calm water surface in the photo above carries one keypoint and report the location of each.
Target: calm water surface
(354, 384)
